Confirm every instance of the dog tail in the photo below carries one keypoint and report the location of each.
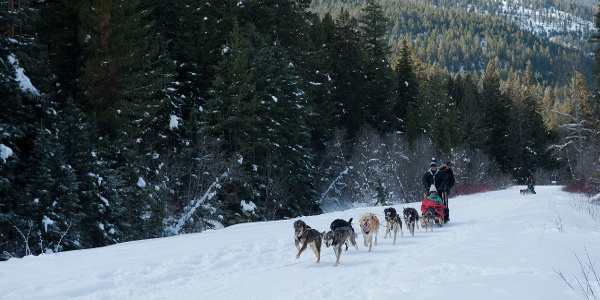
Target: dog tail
(350, 221)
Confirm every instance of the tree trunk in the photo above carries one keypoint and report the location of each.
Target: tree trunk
(11, 27)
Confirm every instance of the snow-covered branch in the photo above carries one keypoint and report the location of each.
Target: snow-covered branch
(563, 114)
(210, 192)
(344, 172)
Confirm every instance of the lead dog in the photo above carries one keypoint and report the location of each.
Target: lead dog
(337, 223)
(369, 226)
(338, 237)
(411, 218)
(393, 223)
(307, 236)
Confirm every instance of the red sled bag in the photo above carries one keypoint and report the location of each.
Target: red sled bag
(439, 208)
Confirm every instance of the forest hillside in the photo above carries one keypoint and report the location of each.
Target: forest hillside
(463, 35)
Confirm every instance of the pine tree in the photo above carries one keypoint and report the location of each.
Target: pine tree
(469, 131)
(528, 138)
(24, 41)
(439, 113)
(595, 40)
(378, 74)
(51, 202)
(125, 85)
(14, 130)
(122, 81)
(348, 74)
(195, 33)
(97, 195)
(57, 29)
(496, 117)
(259, 118)
(284, 21)
(319, 86)
(407, 93)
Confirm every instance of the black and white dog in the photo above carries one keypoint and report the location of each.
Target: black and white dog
(337, 223)
(393, 223)
(411, 218)
(338, 237)
(428, 218)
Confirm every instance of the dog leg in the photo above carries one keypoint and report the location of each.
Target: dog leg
(297, 243)
(301, 250)
(316, 250)
(387, 229)
(400, 224)
(417, 221)
(353, 241)
(318, 242)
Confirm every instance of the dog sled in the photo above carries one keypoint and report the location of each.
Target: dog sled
(432, 213)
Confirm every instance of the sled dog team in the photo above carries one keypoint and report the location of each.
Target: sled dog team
(342, 233)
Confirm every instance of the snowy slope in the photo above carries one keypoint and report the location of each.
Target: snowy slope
(498, 245)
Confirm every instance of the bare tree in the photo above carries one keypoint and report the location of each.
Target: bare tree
(576, 130)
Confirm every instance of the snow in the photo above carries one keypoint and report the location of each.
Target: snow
(5, 152)
(174, 122)
(556, 19)
(24, 81)
(141, 182)
(248, 206)
(498, 245)
(46, 221)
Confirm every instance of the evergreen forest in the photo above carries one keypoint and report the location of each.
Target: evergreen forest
(123, 120)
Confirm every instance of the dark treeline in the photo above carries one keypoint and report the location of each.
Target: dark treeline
(151, 118)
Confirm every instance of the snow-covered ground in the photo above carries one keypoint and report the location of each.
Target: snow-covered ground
(498, 245)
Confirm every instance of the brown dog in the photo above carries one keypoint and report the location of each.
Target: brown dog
(369, 226)
(307, 236)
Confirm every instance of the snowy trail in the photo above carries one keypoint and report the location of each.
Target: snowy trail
(498, 245)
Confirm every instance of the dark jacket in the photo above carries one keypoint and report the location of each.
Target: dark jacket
(448, 180)
(430, 178)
